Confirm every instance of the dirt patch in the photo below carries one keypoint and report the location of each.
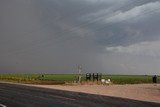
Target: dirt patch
(44, 82)
(142, 92)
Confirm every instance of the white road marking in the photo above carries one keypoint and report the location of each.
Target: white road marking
(1, 105)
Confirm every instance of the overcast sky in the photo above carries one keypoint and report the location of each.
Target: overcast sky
(55, 36)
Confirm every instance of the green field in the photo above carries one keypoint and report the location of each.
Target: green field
(62, 78)
(129, 79)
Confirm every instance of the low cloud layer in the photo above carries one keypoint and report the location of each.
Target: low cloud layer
(53, 36)
(151, 49)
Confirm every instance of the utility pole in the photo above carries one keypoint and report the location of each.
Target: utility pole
(79, 72)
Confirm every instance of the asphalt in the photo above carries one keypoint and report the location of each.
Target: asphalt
(15, 95)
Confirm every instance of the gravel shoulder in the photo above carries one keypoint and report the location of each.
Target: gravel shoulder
(141, 92)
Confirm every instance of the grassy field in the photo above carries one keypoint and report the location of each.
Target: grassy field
(129, 79)
(62, 78)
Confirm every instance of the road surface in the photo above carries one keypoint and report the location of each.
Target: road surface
(14, 95)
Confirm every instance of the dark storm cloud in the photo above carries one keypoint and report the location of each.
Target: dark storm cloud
(57, 35)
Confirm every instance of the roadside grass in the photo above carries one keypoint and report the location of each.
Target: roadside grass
(62, 78)
(29, 79)
(18, 77)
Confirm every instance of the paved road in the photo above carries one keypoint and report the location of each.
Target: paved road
(14, 95)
